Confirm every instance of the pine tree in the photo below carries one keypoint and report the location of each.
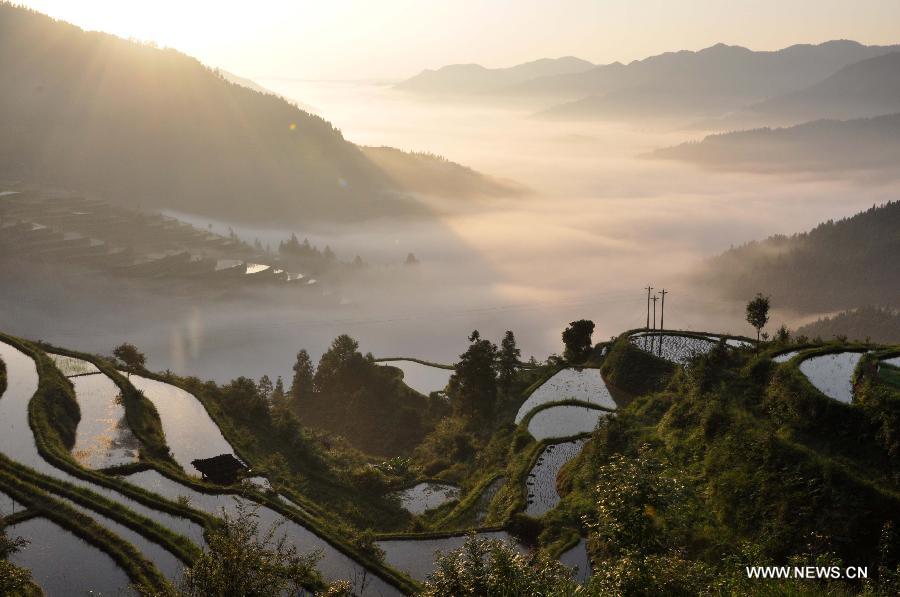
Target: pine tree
(508, 360)
(302, 384)
(473, 386)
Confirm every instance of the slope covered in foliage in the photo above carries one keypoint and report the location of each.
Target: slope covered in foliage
(801, 271)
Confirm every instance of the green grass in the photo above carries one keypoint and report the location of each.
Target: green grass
(415, 360)
(139, 570)
(141, 414)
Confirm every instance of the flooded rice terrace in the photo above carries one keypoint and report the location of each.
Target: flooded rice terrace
(596, 223)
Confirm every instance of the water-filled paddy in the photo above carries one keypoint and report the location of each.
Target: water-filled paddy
(334, 565)
(71, 366)
(542, 494)
(895, 361)
(64, 565)
(785, 356)
(8, 505)
(17, 442)
(190, 432)
(426, 496)
(563, 421)
(422, 378)
(577, 559)
(103, 437)
(416, 556)
(168, 565)
(485, 499)
(586, 385)
(673, 348)
(832, 374)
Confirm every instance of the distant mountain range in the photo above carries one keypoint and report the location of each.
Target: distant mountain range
(155, 128)
(704, 83)
(870, 146)
(837, 265)
(870, 87)
(463, 79)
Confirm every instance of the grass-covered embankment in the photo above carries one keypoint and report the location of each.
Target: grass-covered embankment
(48, 434)
(140, 571)
(630, 371)
(140, 413)
(748, 453)
(299, 474)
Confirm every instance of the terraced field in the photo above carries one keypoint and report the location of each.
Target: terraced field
(675, 348)
(423, 378)
(96, 570)
(79, 235)
(585, 385)
(542, 494)
(832, 374)
(425, 496)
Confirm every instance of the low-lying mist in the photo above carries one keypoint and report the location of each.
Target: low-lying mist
(598, 225)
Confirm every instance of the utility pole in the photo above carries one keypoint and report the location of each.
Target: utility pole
(655, 298)
(649, 288)
(662, 313)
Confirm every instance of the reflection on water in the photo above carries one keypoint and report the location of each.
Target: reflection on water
(103, 436)
(334, 565)
(832, 374)
(672, 347)
(190, 432)
(586, 385)
(422, 378)
(542, 494)
(563, 421)
(577, 559)
(64, 565)
(426, 496)
(69, 366)
(416, 556)
(168, 565)
(17, 443)
(8, 505)
(786, 356)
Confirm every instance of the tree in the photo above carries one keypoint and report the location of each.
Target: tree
(13, 580)
(488, 568)
(473, 385)
(302, 384)
(265, 389)
(241, 559)
(577, 338)
(638, 506)
(130, 355)
(278, 395)
(508, 360)
(758, 313)
(339, 365)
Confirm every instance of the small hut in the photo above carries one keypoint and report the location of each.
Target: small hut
(222, 469)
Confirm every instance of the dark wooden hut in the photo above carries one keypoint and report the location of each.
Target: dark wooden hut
(222, 469)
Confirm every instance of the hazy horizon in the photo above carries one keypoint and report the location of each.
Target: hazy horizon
(395, 40)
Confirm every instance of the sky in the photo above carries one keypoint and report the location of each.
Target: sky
(395, 39)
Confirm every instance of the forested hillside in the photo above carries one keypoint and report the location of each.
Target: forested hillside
(155, 128)
(837, 265)
(864, 144)
(872, 323)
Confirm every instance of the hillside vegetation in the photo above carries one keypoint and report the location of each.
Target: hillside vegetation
(868, 145)
(802, 271)
(155, 128)
(873, 323)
